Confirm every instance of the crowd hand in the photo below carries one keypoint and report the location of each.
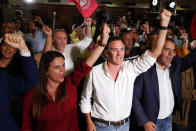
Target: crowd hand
(16, 41)
(39, 20)
(150, 126)
(88, 21)
(105, 34)
(165, 16)
(146, 28)
(47, 30)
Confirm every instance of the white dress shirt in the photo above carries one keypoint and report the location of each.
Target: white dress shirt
(71, 51)
(165, 92)
(112, 100)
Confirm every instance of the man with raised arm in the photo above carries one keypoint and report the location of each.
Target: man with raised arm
(58, 42)
(110, 84)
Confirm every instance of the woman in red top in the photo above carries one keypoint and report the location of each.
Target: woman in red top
(52, 105)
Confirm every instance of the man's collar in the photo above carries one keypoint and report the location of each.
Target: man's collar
(158, 66)
(105, 68)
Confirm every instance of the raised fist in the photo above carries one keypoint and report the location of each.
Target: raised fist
(88, 21)
(15, 41)
(165, 16)
(105, 34)
(47, 30)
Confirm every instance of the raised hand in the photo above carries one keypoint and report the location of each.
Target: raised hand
(105, 34)
(16, 41)
(39, 20)
(165, 16)
(146, 28)
(88, 21)
(47, 30)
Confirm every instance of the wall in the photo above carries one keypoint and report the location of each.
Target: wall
(67, 15)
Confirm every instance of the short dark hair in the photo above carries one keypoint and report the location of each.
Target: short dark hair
(171, 40)
(112, 38)
(123, 33)
(37, 24)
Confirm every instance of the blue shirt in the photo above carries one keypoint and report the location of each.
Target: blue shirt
(36, 44)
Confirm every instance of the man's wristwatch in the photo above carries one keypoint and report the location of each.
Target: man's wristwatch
(101, 44)
(163, 27)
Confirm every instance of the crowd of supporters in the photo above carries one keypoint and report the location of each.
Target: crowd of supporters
(42, 70)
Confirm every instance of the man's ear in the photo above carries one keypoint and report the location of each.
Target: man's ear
(105, 52)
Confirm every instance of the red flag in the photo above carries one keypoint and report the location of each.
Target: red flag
(86, 7)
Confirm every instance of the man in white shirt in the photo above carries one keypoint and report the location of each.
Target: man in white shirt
(58, 42)
(110, 84)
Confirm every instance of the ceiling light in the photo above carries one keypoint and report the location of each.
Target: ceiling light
(154, 2)
(29, 1)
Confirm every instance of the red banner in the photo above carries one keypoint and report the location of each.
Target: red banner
(86, 7)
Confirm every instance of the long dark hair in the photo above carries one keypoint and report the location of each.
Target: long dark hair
(40, 92)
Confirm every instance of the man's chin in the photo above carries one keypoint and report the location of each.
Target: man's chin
(118, 62)
(168, 63)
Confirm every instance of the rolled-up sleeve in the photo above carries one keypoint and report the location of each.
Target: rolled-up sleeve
(143, 63)
(85, 102)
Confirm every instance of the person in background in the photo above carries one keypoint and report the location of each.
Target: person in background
(182, 122)
(130, 51)
(18, 24)
(116, 31)
(36, 38)
(78, 33)
(7, 27)
(58, 42)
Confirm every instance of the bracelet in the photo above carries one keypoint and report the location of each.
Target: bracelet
(101, 44)
(163, 27)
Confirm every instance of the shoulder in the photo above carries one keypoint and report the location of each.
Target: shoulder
(98, 67)
(176, 61)
(86, 39)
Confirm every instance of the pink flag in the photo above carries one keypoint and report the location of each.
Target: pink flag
(86, 7)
